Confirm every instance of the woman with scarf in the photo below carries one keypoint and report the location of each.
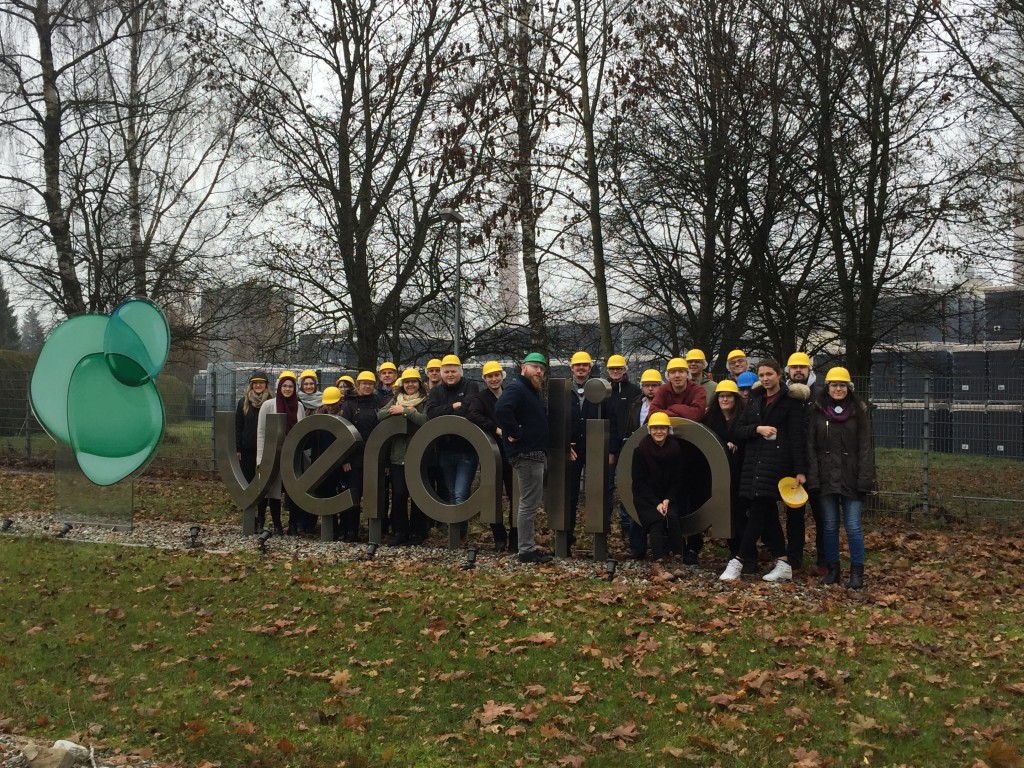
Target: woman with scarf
(287, 403)
(301, 521)
(410, 403)
(720, 418)
(658, 486)
(841, 468)
(257, 392)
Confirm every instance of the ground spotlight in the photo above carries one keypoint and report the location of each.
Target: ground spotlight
(6, 524)
(193, 534)
(263, 538)
(609, 567)
(64, 530)
(470, 563)
(371, 550)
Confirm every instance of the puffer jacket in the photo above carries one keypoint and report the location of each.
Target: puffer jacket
(765, 462)
(840, 456)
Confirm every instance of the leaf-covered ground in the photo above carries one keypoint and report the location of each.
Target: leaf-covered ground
(205, 659)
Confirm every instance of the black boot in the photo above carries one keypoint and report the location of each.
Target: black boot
(275, 516)
(856, 576)
(513, 540)
(261, 519)
(831, 574)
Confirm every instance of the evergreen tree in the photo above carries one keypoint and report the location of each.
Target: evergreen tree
(32, 333)
(9, 336)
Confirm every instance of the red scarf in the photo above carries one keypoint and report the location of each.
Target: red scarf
(289, 406)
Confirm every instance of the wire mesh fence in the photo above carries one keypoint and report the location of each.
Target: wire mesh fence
(946, 448)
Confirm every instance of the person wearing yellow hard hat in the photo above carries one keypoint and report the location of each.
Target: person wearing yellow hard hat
(308, 390)
(737, 363)
(360, 410)
(480, 411)
(658, 491)
(247, 414)
(433, 371)
(623, 392)
(801, 385)
(456, 457)
(300, 521)
(580, 410)
(636, 417)
(284, 402)
(387, 375)
(697, 364)
(409, 403)
(522, 417)
(722, 416)
(773, 432)
(678, 396)
(336, 480)
(841, 469)
(347, 385)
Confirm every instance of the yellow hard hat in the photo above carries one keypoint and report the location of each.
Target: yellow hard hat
(616, 361)
(675, 363)
(286, 375)
(309, 373)
(581, 357)
(366, 376)
(727, 386)
(651, 376)
(659, 420)
(736, 353)
(492, 367)
(411, 373)
(793, 494)
(332, 395)
(696, 355)
(451, 360)
(347, 378)
(799, 358)
(838, 374)
(433, 363)
(388, 366)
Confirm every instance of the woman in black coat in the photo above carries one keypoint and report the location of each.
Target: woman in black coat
(842, 469)
(720, 418)
(773, 432)
(658, 486)
(247, 415)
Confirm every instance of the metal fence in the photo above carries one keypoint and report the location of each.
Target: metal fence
(946, 448)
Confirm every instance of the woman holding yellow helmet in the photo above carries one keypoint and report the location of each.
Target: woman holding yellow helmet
(841, 467)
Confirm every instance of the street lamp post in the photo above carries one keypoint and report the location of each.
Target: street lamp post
(451, 214)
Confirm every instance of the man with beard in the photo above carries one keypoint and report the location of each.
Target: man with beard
(481, 412)
(521, 416)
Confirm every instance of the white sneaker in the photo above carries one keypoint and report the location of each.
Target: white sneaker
(781, 572)
(732, 570)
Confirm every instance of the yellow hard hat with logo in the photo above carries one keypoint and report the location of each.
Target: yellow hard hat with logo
(793, 494)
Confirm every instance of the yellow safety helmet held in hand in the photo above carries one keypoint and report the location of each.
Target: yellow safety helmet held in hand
(793, 494)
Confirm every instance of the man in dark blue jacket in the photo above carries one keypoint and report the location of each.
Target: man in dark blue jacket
(521, 415)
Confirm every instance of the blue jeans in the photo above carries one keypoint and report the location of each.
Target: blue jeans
(458, 468)
(830, 503)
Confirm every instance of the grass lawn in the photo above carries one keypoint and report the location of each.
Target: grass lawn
(232, 659)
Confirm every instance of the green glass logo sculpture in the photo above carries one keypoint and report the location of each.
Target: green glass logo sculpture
(94, 388)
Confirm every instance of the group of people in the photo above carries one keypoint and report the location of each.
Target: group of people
(772, 423)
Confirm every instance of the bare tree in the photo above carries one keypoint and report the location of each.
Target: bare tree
(116, 182)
